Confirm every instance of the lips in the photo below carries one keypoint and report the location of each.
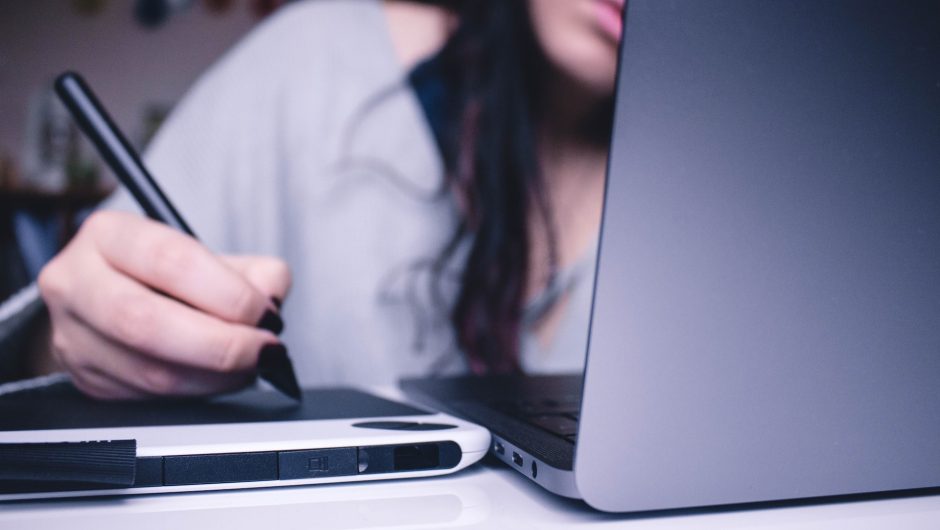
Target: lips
(609, 17)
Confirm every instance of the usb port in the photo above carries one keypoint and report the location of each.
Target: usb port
(516, 459)
(498, 447)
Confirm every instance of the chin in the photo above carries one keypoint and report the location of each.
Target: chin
(576, 43)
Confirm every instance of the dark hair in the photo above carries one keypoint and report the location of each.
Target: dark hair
(488, 73)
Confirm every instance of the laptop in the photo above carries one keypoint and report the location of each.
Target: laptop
(766, 314)
(55, 442)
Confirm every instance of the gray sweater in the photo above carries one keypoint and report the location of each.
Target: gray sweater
(306, 142)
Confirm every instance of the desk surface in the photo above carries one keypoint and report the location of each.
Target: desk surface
(486, 495)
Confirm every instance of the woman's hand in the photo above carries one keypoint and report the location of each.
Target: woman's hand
(138, 309)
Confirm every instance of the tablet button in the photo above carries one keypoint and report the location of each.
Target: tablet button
(315, 463)
(217, 469)
(149, 471)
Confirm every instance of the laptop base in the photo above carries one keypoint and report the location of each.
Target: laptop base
(533, 420)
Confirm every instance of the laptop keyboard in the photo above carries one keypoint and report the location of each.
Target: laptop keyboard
(538, 414)
(556, 416)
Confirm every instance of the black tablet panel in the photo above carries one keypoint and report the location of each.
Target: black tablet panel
(61, 406)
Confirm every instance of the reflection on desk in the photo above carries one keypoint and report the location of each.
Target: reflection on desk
(392, 504)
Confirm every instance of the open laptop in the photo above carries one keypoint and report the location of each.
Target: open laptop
(766, 317)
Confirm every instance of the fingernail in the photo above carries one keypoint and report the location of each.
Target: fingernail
(271, 322)
(277, 302)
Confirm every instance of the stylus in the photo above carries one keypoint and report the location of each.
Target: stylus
(274, 365)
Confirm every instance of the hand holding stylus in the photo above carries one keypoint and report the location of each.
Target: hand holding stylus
(140, 308)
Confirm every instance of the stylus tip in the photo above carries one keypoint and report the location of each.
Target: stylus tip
(275, 367)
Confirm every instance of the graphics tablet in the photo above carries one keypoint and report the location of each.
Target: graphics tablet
(55, 442)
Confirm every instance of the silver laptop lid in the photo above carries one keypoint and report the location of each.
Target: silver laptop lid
(767, 310)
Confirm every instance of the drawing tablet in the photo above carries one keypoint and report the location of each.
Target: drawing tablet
(250, 439)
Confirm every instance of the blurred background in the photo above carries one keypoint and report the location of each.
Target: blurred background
(140, 56)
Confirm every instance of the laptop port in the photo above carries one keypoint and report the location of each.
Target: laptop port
(516, 459)
(535, 470)
(498, 447)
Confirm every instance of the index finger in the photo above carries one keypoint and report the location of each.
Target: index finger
(178, 265)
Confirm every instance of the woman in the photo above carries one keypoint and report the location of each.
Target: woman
(431, 174)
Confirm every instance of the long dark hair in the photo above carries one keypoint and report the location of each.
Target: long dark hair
(489, 71)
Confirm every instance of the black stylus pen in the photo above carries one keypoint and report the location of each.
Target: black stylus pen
(273, 364)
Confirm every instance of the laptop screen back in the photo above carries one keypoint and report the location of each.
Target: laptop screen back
(767, 309)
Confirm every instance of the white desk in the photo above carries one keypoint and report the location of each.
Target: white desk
(483, 496)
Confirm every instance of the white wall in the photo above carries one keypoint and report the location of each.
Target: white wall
(128, 66)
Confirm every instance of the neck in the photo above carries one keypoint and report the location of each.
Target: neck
(572, 118)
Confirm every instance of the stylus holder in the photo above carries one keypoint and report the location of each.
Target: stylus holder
(107, 463)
